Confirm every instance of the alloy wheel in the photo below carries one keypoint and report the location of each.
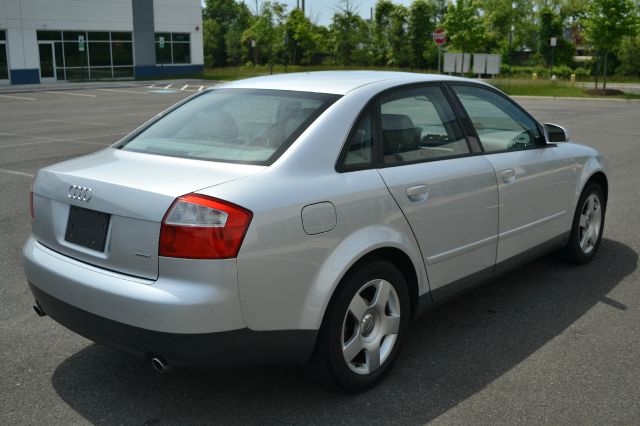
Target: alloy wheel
(370, 326)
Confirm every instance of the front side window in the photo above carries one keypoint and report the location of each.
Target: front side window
(500, 124)
(419, 125)
(232, 125)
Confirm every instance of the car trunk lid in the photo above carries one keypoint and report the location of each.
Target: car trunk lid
(106, 208)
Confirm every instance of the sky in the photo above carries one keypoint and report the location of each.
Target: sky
(321, 11)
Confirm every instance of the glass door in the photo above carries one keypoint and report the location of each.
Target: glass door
(47, 62)
(4, 69)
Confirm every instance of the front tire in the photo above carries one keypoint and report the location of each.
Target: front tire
(363, 327)
(588, 223)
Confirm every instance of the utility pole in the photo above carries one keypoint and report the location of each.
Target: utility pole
(554, 42)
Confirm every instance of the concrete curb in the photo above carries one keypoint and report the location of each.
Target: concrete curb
(572, 98)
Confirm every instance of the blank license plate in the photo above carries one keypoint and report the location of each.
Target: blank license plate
(87, 228)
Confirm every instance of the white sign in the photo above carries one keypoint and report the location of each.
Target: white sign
(449, 64)
(457, 62)
(479, 63)
(161, 42)
(554, 41)
(493, 64)
(81, 43)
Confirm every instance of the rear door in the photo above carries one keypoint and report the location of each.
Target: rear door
(535, 182)
(447, 192)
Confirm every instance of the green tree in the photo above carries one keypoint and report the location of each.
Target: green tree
(400, 54)
(552, 25)
(508, 25)
(349, 36)
(607, 22)
(465, 26)
(381, 31)
(629, 56)
(236, 51)
(422, 24)
(267, 33)
(218, 17)
(303, 38)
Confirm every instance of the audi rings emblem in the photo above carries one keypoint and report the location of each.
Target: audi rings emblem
(79, 193)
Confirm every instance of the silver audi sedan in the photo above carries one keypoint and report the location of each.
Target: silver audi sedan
(305, 219)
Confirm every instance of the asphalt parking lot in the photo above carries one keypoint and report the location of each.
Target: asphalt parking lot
(548, 343)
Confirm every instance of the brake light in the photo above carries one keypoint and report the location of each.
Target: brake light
(201, 227)
(31, 208)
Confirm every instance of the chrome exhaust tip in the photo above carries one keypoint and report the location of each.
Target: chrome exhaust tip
(39, 310)
(159, 365)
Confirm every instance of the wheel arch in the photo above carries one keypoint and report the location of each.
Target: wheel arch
(367, 244)
(400, 260)
(601, 179)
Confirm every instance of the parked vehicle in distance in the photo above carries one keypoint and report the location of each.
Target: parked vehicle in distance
(305, 219)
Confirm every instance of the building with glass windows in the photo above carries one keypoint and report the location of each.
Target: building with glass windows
(50, 40)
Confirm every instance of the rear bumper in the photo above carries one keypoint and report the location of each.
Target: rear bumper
(191, 315)
(241, 347)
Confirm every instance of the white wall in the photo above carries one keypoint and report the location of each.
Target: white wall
(22, 18)
(96, 15)
(181, 16)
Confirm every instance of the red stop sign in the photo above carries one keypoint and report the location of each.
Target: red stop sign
(439, 36)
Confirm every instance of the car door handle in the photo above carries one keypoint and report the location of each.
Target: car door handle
(417, 193)
(508, 176)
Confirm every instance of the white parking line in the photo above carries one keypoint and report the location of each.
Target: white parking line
(23, 98)
(28, 143)
(80, 121)
(70, 94)
(126, 91)
(29, 136)
(184, 87)
(46, 140)
(201, 88)
(13, 172)
(168, 86)
(97, 136)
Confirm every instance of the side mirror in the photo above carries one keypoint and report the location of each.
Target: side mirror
(555, 133)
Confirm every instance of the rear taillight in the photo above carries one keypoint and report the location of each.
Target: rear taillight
(201, 227)
(31, 208)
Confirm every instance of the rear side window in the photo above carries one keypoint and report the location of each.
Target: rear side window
(360, 143)
(232, 125)
(418, 125)
(500, 124)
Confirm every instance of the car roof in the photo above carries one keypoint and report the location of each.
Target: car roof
(335, 82)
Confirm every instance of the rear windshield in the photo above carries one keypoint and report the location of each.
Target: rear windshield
(232, 125)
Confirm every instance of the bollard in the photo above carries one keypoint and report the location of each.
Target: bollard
(534, 76)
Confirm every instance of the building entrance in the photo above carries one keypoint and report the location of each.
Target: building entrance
(47, 62)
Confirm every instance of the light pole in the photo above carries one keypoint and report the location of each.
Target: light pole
(511, 49)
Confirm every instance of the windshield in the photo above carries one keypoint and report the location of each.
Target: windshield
(232, 125)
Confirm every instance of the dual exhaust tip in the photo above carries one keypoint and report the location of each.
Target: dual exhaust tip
(157, 363)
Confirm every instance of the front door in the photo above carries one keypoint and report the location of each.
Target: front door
(47, 62)
(447, 193)
(535, 182)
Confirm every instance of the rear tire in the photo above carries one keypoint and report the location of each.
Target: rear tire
(363, 327)
(588, 223)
